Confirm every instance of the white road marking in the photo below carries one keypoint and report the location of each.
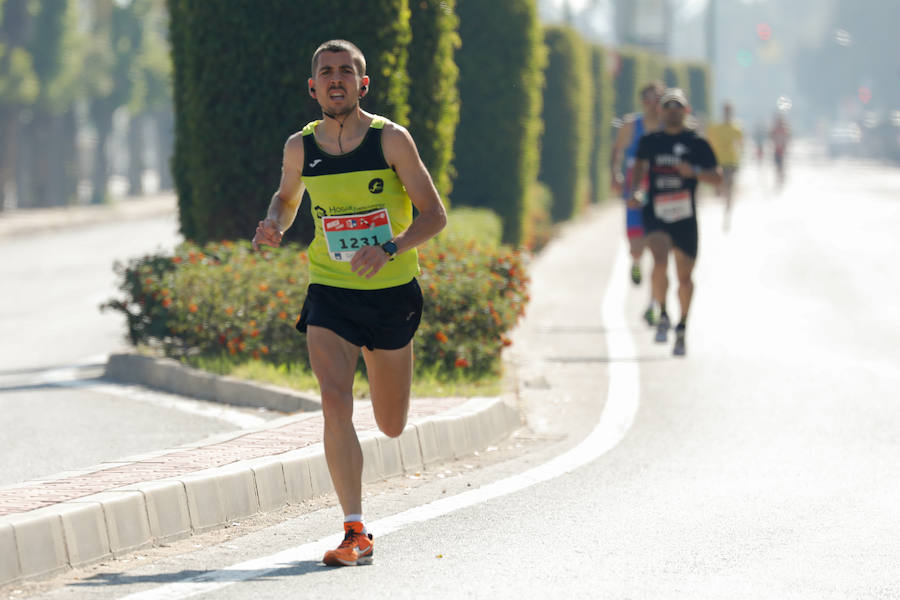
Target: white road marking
(615, 421)
(72, 377)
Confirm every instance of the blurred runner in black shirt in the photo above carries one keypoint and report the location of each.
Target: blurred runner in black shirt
(676, 159)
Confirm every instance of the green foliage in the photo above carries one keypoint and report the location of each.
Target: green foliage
(567, 116)
(602, 138)
(676, 75)
(241, 89)
(631, 75)
(500, 81)
(466, 223)
(433, 94)
(699, 89)
(223, 303)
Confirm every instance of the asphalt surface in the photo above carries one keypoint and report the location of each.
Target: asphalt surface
(57, 268)
(762, 465)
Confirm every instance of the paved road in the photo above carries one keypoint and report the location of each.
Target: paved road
(762, 465)
(54, 340)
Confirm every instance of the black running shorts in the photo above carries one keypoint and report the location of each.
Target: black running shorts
(683, 233)
(386, 319)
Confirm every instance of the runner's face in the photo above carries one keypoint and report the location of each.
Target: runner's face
(337, 83)
(673, 114)
(650, 101)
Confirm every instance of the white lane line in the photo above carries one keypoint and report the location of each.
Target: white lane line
(615, 421)
(72, 377)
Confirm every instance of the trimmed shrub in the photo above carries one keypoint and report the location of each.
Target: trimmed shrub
(699, 89)
(676, 75)
(567, 115)
(433, 94)
(225, 302)
(633, 73)
(500, 80)
(602, 138)
(241, 89)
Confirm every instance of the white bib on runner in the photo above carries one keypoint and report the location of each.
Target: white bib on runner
(674, 206)
(345, 234)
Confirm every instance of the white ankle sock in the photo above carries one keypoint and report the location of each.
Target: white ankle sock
(351, 518)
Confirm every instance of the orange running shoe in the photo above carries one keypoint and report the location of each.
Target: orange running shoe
(356, 549)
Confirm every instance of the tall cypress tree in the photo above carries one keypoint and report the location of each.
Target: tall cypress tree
(433, 93)
(500, 82)
(241, 89)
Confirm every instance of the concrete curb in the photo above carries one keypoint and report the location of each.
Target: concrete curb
(171, 376)
(41, 543)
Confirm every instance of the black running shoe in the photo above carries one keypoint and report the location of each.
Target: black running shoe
(679, 349)
(662, 328)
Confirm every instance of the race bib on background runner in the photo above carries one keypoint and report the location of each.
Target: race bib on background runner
(345, 234)
(674, 206)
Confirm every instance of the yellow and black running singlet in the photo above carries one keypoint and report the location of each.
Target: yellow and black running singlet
(357, 200)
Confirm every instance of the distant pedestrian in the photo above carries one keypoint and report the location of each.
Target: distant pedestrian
(364, 176)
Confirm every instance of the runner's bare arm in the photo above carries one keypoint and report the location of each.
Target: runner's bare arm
(640, 168)
(286, 201)
(626, 131)
(706, 175)
(401, 154)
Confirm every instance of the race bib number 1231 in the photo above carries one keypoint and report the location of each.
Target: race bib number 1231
(345, 234)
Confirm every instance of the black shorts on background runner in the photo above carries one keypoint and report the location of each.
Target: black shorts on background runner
(384, 319)
(684, 234)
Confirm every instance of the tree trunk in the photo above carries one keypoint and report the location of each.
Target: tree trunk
(165, 142)
(9, 127)
(103, 123)
(41, 174)
(63, 159)
(135, 155)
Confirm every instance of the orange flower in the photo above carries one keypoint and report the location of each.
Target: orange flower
(254, 333)
(282, 315)
(280, 293)
(229, 310)
(167, 302)
(461, 363)
(263, 287)
(242, 345)
(265, 349)
(505, 341)
(148, 281)
(441, 337)
(176, 259)
(192, 307)
(252, 322)
(165, 292)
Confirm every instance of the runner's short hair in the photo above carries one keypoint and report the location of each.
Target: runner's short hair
(653, 86)
(359, 61)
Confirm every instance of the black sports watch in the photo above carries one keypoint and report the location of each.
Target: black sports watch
(390, 248)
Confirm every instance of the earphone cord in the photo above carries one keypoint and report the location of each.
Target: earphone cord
(340, 132)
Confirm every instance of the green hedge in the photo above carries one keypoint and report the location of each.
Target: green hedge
(241, 89)
(602, 138)
(633, 74)
(433, 93)
(699, 89)
(500, 81)
(224, 301)
(567, 116)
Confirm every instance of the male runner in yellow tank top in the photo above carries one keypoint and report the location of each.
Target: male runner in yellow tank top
(727, 141)
(364, 175)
